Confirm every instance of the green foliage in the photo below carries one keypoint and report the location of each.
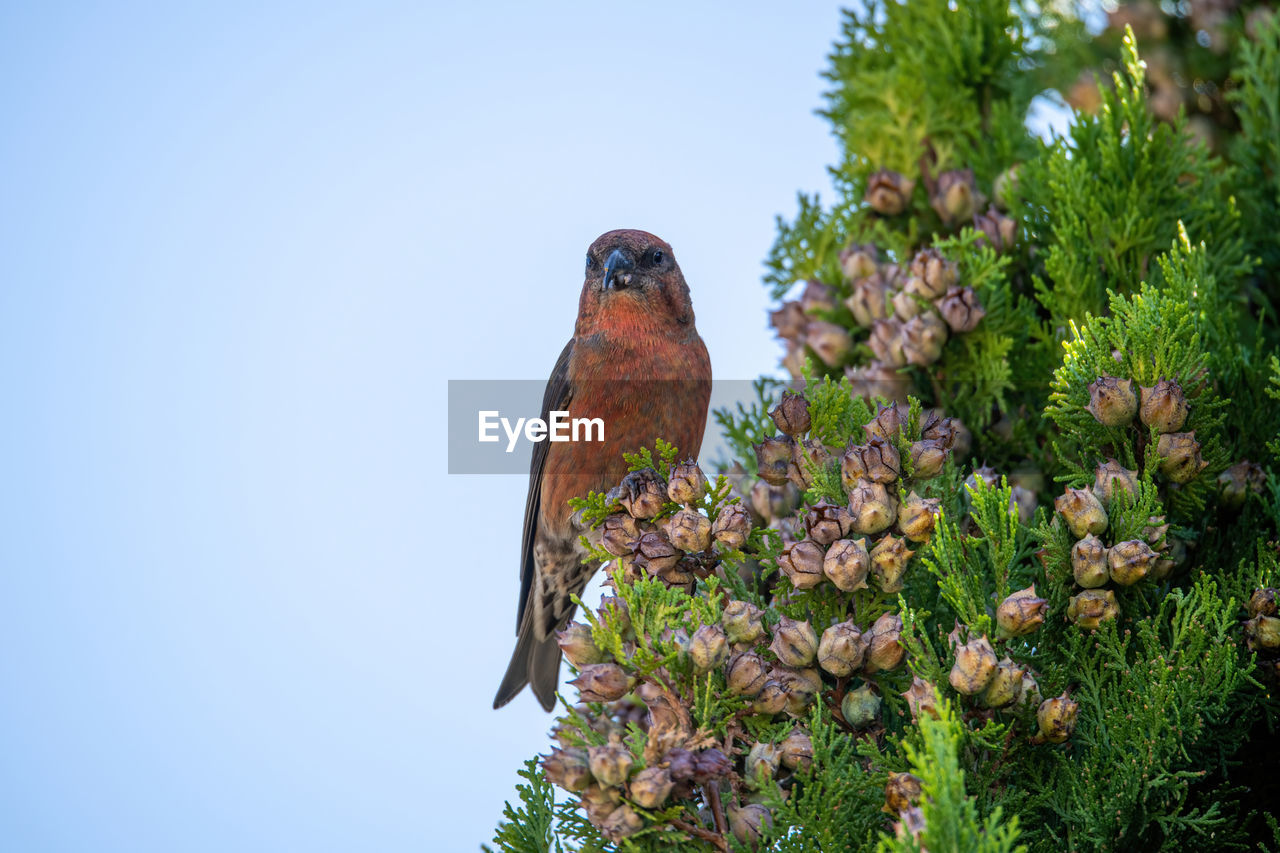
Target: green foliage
(836, 805)
(1256, 149)
(1169, 687)
(528, 827)
(749, 425)
(1107, 198)
(951, 819)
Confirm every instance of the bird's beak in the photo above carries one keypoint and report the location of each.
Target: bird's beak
(617, 270)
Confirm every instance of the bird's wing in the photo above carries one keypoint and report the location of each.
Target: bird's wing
(555, 398)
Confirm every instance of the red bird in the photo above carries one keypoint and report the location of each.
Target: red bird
(636, 361)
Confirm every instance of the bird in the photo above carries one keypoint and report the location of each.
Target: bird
(637, 362)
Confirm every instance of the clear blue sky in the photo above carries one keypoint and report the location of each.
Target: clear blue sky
(242, 250)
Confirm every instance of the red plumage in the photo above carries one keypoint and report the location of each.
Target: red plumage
(636, 362)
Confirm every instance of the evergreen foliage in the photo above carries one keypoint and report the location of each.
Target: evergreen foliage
(1000, 577)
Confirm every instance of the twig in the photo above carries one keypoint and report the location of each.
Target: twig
(712, 790)
(715, 839)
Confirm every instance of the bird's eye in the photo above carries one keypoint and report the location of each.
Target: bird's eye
(590, 262)
(656, 257)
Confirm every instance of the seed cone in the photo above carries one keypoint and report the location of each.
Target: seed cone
(772, 698)
(974, 668)
(602, 682)
(1262, 633)
(687, 483)
(619, 533)
(886, 341)
(643, 493)
(884, 650)
(708, 648)
(732, 526)
(567, 768)
(889, 559)
(1082, 511)
(1130, 561)
(802, 562)
(961, 309)
(1057, 718)
(610, 763)
(791, 415)
(689, 530)
(748, 823)
(888, 192)
(922, 698)
(901, 791)
(826, 522)
(927, 459)
(1180, 458)
(1000, 231)
(1263, 602)
(1237, 482)
(869, 301)
(841, 649)
(1089, 562)
(797, 750)
(872, 507)
(1021, 613)
(773, 458)
(1005, 687)
(794, 642)
(916, 517)
(576, 643)
(955, 197)
(1112, 402)
(743, 622)
(1112, 477)
(761, 764)
(847, 564)
(655, 553)
(1164, 406)
(860, 707)
(876, 461)
(858, 260)
(746, 674)
(923, 337)
(651, 787)
(621, 822)
(1092, 607)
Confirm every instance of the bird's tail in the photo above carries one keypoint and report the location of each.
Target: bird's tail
(534, 662)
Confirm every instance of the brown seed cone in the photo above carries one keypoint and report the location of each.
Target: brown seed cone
(651, 787)
(841, 649)
(687, 484)
(922, 698)
(1130, 561)
(974, 667)
(689, 530)
(789, 321)
(1111, 478)
(794, 642)
(773, 457)
(888, 192)
(1089, 562)
(1021, 613)
(708, 648)
(577, 645)
(1164, 406)
(642, 493)
(901, 791)
(732, 526)
(1082, 512)
(955, 196)
(927, 459)
(884, 651)
(801, 562)
(886, 341)
(1180, 458)
(1112, 402)
(567, 768)
(655, 554)
(872, 507)
(1263, 602)
(1005, 687)
(610, 763)
(1057, 718)
(791, 415)
(797, 749)
(847, 564)
(877, 461)
(935, 270)
(923, 337)
(858, 260)
(746, 674)
(961, 309)
(829, 341)
(826, 522)
(743, 622)
(1092, 607)
(916, 517)
(889, 559)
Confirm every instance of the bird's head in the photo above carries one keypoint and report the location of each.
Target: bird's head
(634, 273)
